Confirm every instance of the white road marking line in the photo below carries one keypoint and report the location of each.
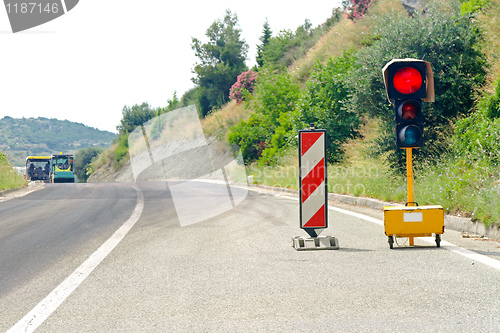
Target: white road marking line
(444, 244)
(471, 254)
(49, 304)
(358, 215)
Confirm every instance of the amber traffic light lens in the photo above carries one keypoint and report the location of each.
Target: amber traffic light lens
(409, 111)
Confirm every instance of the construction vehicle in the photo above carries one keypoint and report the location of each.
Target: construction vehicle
(38, 168)
(62, 169)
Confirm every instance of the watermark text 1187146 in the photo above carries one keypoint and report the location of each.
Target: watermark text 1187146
(26, 14)
(31, 8)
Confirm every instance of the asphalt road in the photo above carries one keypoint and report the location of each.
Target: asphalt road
(235, 272)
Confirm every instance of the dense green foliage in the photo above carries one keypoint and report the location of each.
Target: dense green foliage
(323, 103)
(222, 59)
(83, 162)
(134, 116)
(473, 6)
(448, 40)
(276, 97)
(264, 41)
(281, 108)
(243, 87)
(23, 137)
(476, 138)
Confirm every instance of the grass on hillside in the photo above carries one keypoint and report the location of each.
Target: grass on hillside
(358, 174)
(9, 177)
(218, 123)
(490, 25)
(344, 35)
(462, 190)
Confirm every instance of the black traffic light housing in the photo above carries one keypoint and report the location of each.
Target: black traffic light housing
(408, 82)
(409, 123)
(393, 92)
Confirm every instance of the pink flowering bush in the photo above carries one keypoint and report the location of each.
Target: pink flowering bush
(244, 85)
(356, 8)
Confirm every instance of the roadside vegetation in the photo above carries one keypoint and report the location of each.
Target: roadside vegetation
(9, 177)
(330, 75)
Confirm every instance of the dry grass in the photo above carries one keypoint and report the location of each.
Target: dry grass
(218, 123)
(490, 25)
(344, 35)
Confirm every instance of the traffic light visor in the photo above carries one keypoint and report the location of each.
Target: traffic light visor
(407, 80)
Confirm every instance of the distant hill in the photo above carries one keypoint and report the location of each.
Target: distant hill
(20, 138)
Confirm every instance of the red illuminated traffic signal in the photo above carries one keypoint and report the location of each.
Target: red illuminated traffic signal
(407, 85)
(407, 80)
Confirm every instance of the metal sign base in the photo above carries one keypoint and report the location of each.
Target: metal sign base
(315, 243)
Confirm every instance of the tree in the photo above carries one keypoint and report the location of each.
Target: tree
(273, 55)
(286, 47)
(134, 116)
(264, 40)
(222, 59)
(83, 159)
(323, 103)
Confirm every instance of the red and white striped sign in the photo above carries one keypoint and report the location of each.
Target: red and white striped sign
(313, 181)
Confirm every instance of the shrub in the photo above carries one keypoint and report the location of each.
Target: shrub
(476, 136)
(448, 41)
(134, 116)
(276, 96)
(323, 103)
(250, 136)
(244, 86)
(83, 160)
(121, 151)
(355, 9)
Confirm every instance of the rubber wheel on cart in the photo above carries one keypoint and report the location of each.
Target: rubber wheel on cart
(438, 240)
(391, 242)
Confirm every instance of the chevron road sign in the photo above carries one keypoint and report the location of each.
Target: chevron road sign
(313, 181)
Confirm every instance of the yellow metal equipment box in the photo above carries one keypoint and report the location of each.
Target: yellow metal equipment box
(413, 221)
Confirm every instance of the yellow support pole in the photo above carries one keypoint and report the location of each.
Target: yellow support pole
(409, 175)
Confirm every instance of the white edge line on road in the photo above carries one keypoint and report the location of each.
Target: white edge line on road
(49, 304)
(444, 244)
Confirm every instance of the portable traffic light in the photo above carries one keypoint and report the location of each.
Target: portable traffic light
(409, 123)
(408, 82)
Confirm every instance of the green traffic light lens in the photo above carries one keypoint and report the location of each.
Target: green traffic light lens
(410, 135)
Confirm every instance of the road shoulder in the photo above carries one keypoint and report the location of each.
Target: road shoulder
(21, 192)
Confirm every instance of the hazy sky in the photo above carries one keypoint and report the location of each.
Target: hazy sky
(87, 64)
